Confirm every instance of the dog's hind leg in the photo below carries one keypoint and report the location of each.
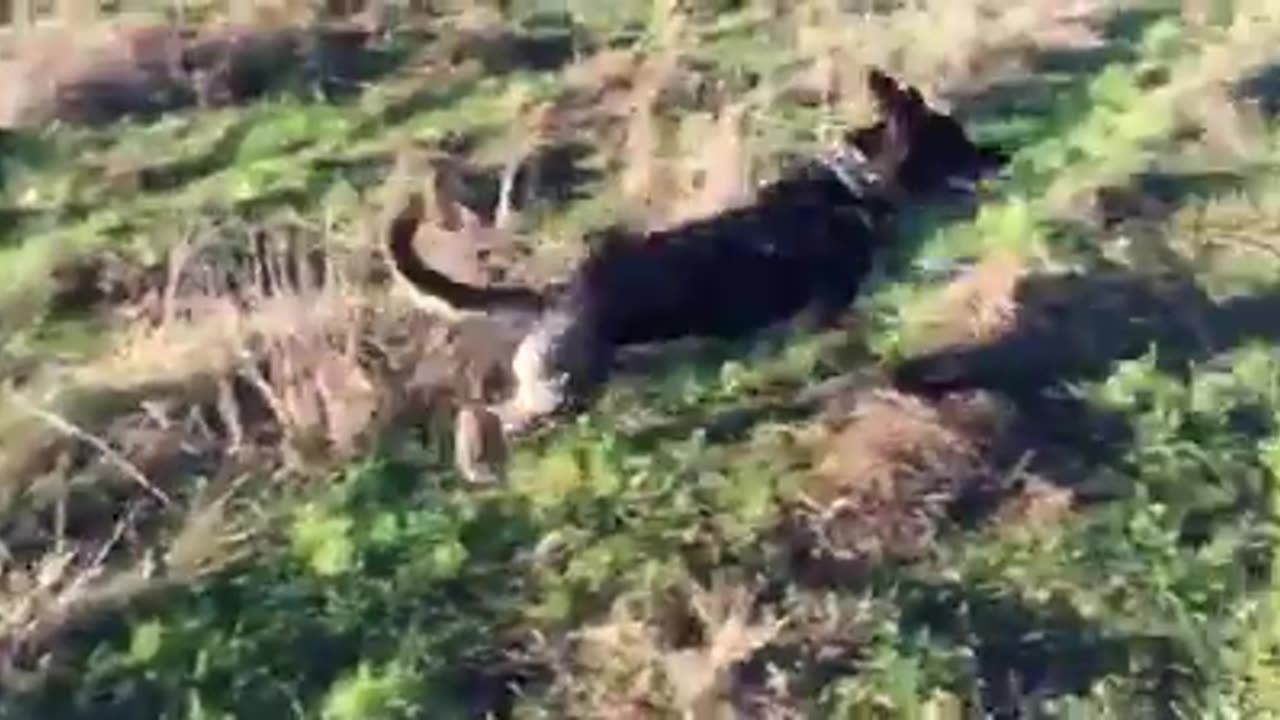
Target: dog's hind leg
(480, 446)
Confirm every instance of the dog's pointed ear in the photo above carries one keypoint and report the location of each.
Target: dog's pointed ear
(887, 93)
(883, 87)
(897, 103)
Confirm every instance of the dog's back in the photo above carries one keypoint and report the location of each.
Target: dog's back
(736, 271)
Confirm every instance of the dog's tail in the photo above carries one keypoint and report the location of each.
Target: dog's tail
(459, 296)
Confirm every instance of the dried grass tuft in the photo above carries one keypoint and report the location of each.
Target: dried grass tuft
(631, 665)
(887, 479)
(645, 176)
(716, 172)
(980, 305)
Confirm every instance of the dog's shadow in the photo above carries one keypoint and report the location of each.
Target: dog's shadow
(1075, 327)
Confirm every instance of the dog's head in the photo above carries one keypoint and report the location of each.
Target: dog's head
(915, 148)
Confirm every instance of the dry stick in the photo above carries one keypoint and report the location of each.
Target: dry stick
(308, 283)
(77, 599)
(61, 466)
(1245, 241)
(1228, 241)
(72, 430)
(178, 258)
(210, 513)
(250, 372)
(229, 409)
(122, 525)
(506, 189)
(1019, 469)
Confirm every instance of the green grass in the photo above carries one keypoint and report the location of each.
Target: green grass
(388, 589)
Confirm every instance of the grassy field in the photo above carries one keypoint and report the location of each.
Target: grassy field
(226, 489)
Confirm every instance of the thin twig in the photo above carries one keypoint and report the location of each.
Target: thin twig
(503, 215)
(100, 557)
(1246, 241)
(229, 409)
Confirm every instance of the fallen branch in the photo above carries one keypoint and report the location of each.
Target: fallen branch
(70, 429)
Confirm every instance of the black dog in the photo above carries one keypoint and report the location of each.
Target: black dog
(806, 245)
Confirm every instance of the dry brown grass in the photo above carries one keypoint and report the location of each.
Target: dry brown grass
(978, 306)
(47, 594)
(248, 367)
(716, 170)
(887, 478)
(208, 321)
(1231, 235)
(81, 64)
(39, 67)
(632, 665)
(679, 169)
(983, 40)
(645, 179)
(287, 327)
(1034, 510)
